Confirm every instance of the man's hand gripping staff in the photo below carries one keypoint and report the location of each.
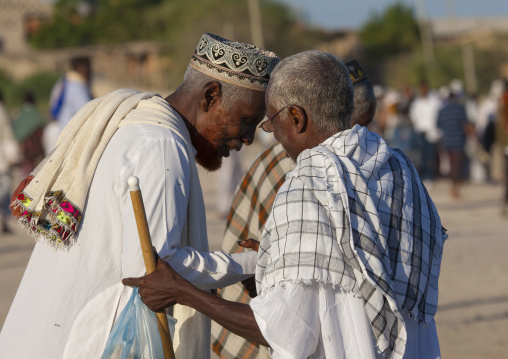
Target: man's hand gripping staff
(164, 288)
(148, 256)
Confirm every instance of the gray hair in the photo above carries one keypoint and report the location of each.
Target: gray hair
(320, 83)
(231, 94)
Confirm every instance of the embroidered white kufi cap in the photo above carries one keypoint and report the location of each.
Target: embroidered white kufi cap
(234, 62)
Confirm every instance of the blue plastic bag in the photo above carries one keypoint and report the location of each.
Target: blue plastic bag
(135, 334)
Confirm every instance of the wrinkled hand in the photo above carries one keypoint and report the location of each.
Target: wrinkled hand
(249, 243)
(250, 286)
(160, 289)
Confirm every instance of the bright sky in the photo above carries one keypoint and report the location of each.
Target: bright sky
(335, 14)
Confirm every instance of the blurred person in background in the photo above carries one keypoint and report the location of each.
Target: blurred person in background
(9, 156)
(78, 206)
(72, 91)
(379, 123)
(476, 154)
(404, 137)
(453, 123)
(406, 100)
(390, 102)
(502, 139)
(485, 125)
(253, 203)
(28, 128)
(443, 93)
(471, 106)
(456, 86)
(473, 151)
(423, 114)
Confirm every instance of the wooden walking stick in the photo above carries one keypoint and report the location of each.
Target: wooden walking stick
(146, 247)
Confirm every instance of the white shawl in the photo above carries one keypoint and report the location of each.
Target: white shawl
(51, 205)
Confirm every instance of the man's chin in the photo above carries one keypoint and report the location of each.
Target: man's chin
(210, 164)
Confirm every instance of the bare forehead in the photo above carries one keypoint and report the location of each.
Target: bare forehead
(254, 106)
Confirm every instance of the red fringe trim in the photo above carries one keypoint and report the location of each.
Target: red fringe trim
(16, 210)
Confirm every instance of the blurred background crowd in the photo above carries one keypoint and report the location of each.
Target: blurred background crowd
(439, 71)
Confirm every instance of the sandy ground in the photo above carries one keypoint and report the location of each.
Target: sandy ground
(472, 320)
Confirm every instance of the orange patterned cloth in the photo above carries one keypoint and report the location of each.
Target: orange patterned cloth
(251, 207)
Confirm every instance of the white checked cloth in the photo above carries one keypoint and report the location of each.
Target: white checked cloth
(386, 240)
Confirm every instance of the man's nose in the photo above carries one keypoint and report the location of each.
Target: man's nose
(248, 138)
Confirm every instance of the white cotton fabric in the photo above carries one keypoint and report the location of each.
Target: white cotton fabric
(423, 115)
(63, 178)
(354, 214)
(70, 299)
(337, 328)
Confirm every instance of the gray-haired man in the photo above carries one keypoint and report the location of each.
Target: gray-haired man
(349, 258)
(252, 205)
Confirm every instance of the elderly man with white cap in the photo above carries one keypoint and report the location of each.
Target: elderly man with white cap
(77, 204)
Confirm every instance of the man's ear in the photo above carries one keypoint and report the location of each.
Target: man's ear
(298, 117)
(211, 96)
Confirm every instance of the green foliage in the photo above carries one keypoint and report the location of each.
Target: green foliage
(411, 69)
(8, 89)
(109, 21)
(174, 23)
(393, 32)
(114, 21)
(67, 28)
(393, 53)
(489, 61)
(39, 84)
(122, 20)
(228, 18)
(390, 39)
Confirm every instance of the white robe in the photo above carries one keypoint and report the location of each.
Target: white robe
(313, 301)
(68, 301)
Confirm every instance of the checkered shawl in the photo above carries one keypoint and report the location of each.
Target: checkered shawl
(251, 206)
(355, 214)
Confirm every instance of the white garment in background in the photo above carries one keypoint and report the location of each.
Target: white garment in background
(50, 136)
(423, 115)
(71, 298)
(77, 94)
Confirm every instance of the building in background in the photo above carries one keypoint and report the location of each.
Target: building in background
(19, 19)
(136, 64)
